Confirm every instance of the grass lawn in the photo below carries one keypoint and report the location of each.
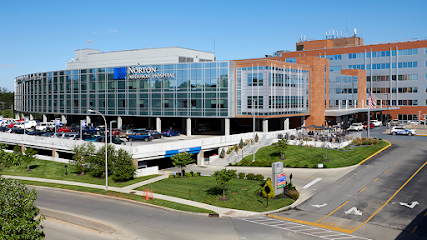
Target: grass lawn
(242, 193)
(158, 202)
(297, 156)
(56, 170)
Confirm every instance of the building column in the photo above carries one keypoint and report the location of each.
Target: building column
(227, 127)
(265, 125)
(22, 115)
(55, 153)
(188, 127)
(44, 118)
(88, 121)
(200, 158)
(31, 117)
(286, 124)
(158, 124)
(63, 120)
(119, 122)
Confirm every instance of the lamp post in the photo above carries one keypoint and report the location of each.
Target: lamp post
(253, 123)
(105, 136)
(387, 110)
(111, 131)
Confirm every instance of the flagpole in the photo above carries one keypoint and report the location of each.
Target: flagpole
(369, 116)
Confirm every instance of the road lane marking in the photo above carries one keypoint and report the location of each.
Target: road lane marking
(404, 157)
(375, 179)
(382, 149)
(414, 229)
(386, 170)
(311, 183)
(412, 151)
(331, 212)
(395, 163)
(425, 214)
(398, 190)
(363, 189)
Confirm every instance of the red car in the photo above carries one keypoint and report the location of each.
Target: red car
(365, 125)
(116, 131)
(64, 129)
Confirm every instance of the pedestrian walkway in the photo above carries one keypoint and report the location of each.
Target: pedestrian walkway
(129, 189)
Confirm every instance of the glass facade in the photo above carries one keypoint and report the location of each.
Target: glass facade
(269, 91)
(343, 91)
(184, 90)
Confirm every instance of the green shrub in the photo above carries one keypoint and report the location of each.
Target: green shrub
(250, 176)
(290, 186)
(192, 173)
(296, 165)
(256, 137)
(241, 143)
(188, 175)
(171, 176)
(288, 165)
(270, 185)
(17, 149)
(222, 154)
(242, 175)
(294, 194)
(306, 166)
(259, 177)
(199, 173)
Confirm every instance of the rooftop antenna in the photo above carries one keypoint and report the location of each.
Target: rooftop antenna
(346, 28)
(354, 32)
(333, 30)
(326, 34)
(214, 47)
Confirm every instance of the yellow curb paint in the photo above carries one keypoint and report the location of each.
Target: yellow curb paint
(414, 229)
(363, 189)
(375, 179)
(404, 157)
(395, 163)
(389, 144)
(202, 205)
(331, 212)
(398, 190)
(54, 220)
(310, 223)
(386, 170)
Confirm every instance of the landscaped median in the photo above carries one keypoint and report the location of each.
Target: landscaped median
(310, 157)
(242, 193)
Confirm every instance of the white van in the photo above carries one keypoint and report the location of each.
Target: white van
(43, 126)
(22, 125)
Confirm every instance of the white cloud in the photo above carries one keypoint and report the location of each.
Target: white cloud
(106, 32)
(7, 66)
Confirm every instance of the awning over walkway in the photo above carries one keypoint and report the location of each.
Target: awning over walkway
(349, 111)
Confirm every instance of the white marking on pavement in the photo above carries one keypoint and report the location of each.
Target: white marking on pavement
(319, 206)
(311, 183)
(354, 211)
(409, 206)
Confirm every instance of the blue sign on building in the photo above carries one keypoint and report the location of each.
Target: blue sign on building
(120, 73)
(170, 153)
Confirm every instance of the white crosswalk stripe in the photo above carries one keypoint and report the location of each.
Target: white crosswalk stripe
(302, 229)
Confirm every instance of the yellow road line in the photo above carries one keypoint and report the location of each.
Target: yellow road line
(398, 190)
(389, 144)
(404, 157)
(425, 214)
(386, 170)
(310, 223)
(202, 205)
(375, 179)
(414, 229)
(412, 151)
(331, 212)
(54, 220)
(363, 189)
(395, 163)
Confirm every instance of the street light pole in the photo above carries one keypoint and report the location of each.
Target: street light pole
(105, 136)
(387, 110)
(111, 131)
(253, 123)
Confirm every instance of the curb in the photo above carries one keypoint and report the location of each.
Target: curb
(382, 149)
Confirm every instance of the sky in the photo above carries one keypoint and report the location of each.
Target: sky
(38, 36)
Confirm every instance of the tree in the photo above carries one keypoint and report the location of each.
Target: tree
(182, 160)
(281, 145)
(124, 169)
(223, 177)
(29, 156)
(8, 159)
(97, 163)
(241, 143)
(18, 212)
(256, 137)
(82, 155)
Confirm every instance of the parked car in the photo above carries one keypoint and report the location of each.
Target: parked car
(43, 126)
(376, 123)
(116, 140)
(394, 122)
(403, 130)
(155, 134)
(170, 132)
(116, 131)
(23, 124)
(139, 134)
(415, 122)
(125, 133)
(63, 129)
(365, 125)
(47, 134)
(355, 127)
(89, 138)
(35, 133)
(16, 130)
(71, 135)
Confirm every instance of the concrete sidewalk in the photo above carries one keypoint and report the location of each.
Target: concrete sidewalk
(301, 177)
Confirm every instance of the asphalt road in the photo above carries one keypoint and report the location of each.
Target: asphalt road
(377, 200)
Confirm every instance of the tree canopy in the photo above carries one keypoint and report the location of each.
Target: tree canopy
(282, 146)
(223, 178)
(182, 160)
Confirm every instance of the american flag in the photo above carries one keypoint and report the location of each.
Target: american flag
(371, 101)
